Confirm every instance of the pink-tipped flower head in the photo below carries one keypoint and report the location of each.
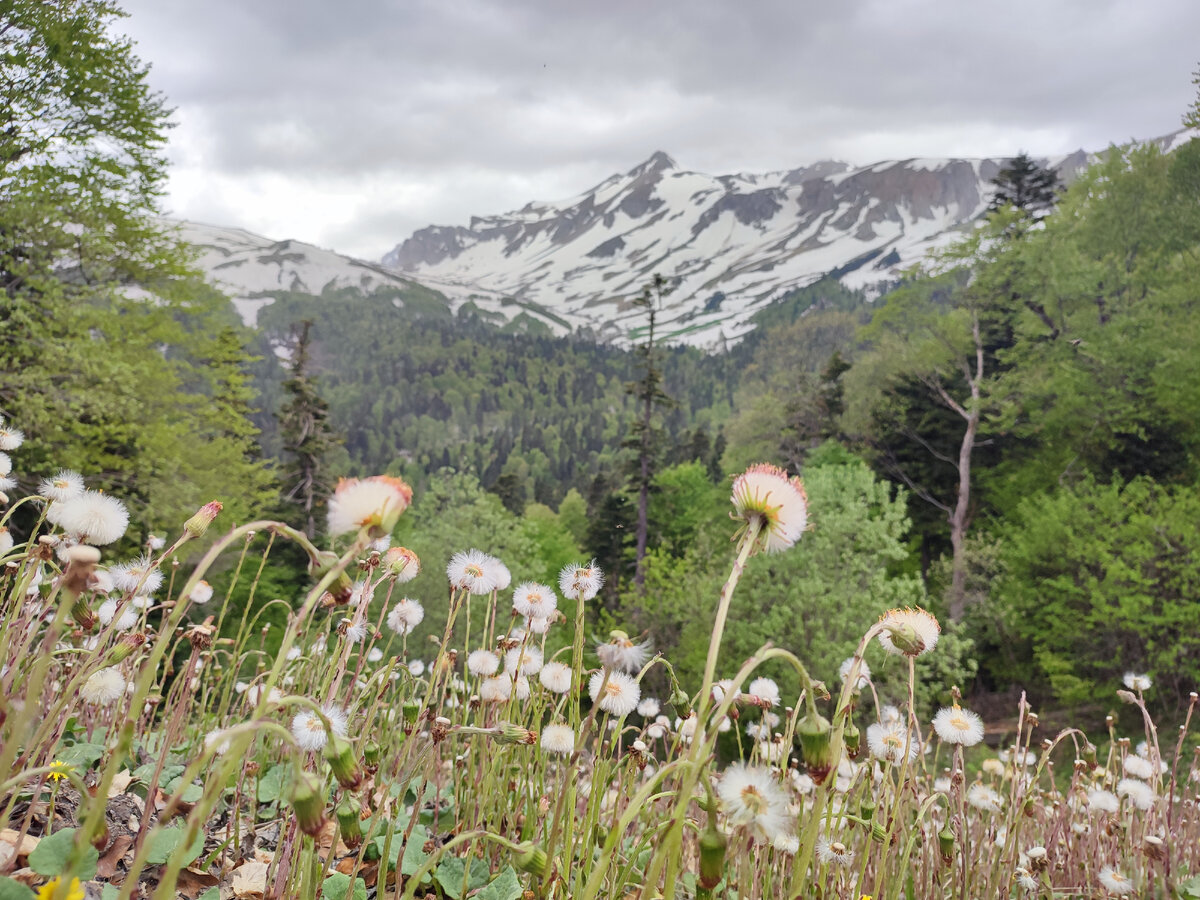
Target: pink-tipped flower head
(402, 564)
(374, 503)
(764, 493)
(198, 524)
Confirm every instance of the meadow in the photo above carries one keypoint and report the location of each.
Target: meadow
(151, 755)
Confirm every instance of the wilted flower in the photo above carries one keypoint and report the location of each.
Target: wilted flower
(622, 653)
(375, 503)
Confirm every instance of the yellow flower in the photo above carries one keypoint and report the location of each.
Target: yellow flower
(58, 770)
(74, 891)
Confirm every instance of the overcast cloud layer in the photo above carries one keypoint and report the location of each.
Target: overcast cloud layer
(350, 124)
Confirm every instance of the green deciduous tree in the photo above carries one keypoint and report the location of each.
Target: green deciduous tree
(115, 357)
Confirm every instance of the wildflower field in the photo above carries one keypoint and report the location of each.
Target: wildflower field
(151, 748)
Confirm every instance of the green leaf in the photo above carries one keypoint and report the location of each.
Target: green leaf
(213, 893)
(51, 855)
(505, 887)
(80, 755)
(14, 890)
(1191, 887)
(336, 886)
(450, 874)
(191, 793)
(270, 786)
(163, 843)
(414, 851)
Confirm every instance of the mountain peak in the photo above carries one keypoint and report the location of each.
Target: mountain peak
(658, 162)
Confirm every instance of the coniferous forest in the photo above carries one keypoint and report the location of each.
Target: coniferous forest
(1008, 438)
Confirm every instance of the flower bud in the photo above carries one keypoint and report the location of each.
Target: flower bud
(308, 800)
(339, 753)
(508, 733)
(532, 859)
(82, 614)
(198, 524)
(681, 701)
(712, 855)
(121, 650)
(371, 753)
(814, 734)
(946, 843)
(852, 738)
(81, 562)
(349, 819)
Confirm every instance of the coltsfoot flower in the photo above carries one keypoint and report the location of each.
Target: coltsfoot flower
(374, 503)
(909, 632)
(956, 725)
(1115, 882)
(1136, 682)
(103, 687)
(556, 677)
(621, 692)
(619, 652)
(534, 601)
(62, 486)
(765, 493)
(92, 517)
(402, 564)
(752, 798)
(482, 663)
(579, 582)
(887, 742)
(405, 616)
(472, 570)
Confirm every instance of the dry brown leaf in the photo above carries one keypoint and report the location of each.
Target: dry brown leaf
(120, 783)
(26, 876)
(106, 867)
(249, 880)
(192, 884)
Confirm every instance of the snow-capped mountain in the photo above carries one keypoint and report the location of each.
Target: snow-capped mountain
(727, 244)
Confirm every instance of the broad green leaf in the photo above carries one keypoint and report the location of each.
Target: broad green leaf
(14, 890)
(163, 843)
(337, 885)
(80, 755)
(270, 786)
(450, 874)
(51, 855)
(506, 886)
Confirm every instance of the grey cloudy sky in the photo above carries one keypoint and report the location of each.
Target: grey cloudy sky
(350, 124)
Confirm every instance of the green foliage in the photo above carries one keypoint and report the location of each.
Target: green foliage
(1101, 579)
(116, 359)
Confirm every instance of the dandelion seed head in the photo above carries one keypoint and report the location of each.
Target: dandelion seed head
(103, 687)
(482, 663)
(752, 798)
(534, 601)
(558, 739)
(1136, 682)
(955, 725)
(472, 571)
(765, 690)
(909, 632)
(578, 582)
(622, 653)
(887, 743)
(405, 616)
(1115, 882)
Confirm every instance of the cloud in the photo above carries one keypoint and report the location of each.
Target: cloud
(352, 124)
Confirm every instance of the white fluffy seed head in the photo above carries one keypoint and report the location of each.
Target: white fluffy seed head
(405, 616)
(621, 692)
(103, 687)
(91, 516)
(555, 677)
(558, 739)
(482, 663)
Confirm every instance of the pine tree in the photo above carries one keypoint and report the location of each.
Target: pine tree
(307, 436)
(645, 436)
(1027, 186)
